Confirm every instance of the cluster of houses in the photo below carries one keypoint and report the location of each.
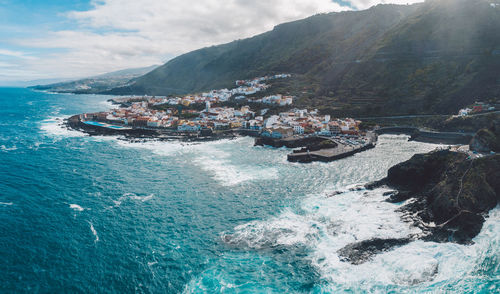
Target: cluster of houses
(141, 112)
(294, 122)
(138, 114)
(477, 107)
(304, 122)
(277, 99)
(244, 87)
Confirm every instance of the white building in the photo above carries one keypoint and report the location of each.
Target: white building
(188, 128)
(464, 112)
(298, 129)
(271, 121)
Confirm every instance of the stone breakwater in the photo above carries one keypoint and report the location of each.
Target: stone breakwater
(450, 197)
(328, 154)
(317, 148)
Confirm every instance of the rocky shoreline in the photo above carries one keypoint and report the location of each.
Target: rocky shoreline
(327, 149)
(449, 195)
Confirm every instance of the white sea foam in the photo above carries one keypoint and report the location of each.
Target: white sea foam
(325, 225)
(141, 198)
(107, 105)
(322, 225)
(157, 147)
(340, 220)
(220, 164)
(151, 263)
(213, 157)
(94, 232)
(76, 207)
(132, 196)
(54, 127)
(7, 149)
(6, 203)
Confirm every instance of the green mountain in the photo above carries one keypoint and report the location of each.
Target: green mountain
(98, 83)
(432, 57)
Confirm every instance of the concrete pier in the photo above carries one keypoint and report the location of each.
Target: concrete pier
(332, 154)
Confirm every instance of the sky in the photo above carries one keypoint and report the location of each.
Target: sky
(46, 39)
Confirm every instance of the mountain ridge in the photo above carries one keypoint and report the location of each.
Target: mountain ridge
(431, 57)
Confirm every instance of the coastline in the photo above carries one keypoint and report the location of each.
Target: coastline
(306, 149)
(74, 122)
(312, 148)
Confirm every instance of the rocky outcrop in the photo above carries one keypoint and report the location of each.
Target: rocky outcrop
(451, 192)
(487, 140)
(357, 253)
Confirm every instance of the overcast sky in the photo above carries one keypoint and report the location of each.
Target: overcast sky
(42, 39)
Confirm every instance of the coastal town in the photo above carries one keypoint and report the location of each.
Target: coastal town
(204, 116)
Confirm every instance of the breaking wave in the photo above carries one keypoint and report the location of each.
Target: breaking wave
(132, 196)
(218, 158)
(54, 127)
(94, 232)
(76, 207)
(325, 224)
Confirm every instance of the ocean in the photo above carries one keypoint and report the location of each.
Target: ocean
(82, 214)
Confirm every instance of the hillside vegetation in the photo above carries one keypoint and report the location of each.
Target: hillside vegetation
(432, 57)
(97, 84)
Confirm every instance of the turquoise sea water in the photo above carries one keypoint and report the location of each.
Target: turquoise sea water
(102, 215)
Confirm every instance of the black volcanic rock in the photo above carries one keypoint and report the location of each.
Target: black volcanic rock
(421, 170)
(357, 253)
(460, 229)
(450, 190)
(451, 193)
(487, 140)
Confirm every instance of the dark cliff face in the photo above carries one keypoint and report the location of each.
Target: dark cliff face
(450, 190)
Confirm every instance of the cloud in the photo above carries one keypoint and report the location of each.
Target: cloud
(118, 34)
(16, 54)
(364, 4)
